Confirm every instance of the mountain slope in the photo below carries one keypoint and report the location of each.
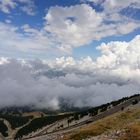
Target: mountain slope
(34, 125)
(124, 125)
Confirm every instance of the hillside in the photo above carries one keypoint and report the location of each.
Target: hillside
(124, 125)
(82, 124)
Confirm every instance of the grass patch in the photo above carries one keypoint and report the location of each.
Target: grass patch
(119, 121)
(132, 132)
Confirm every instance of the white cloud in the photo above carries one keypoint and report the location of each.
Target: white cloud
(74, 23)
(3, 60)
(118, 5)
(29, 7)
(122, 53)
(83, 82)
(7, 5)
(33, 41)
(115, 6)
(8, 21)
(79, 25)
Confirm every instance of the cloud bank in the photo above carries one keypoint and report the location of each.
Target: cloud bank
(84, 82)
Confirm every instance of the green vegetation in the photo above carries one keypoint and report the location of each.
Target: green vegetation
(125, 120)
(38, 123)
(3, 128)
(16, 121)
(135, 102)
(95, 110)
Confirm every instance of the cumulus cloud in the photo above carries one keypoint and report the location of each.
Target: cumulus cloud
(79, 25)
(74, 24)
(84, 82)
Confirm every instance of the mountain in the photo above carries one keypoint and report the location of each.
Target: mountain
(25, 122)
(123, 125)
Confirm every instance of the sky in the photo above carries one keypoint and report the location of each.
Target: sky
(86, 52)
(46, 29)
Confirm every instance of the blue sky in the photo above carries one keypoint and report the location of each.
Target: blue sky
(55, 28)
(19, 17)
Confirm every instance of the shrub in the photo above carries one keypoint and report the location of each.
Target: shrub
(134, 102)
(38, 123)
(16, 121)
(3, 128)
